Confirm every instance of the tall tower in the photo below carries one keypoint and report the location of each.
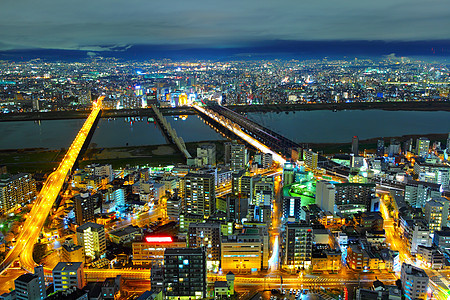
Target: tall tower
(355, 145)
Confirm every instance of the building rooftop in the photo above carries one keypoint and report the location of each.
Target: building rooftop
(26, 277)
(183, 251)
(68, 266)
(125, 231)
(87, 225)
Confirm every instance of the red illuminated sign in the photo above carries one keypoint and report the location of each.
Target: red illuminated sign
(158, 239)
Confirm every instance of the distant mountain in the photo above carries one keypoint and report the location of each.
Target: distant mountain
(262, 50)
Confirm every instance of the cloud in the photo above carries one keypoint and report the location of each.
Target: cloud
(90, 25)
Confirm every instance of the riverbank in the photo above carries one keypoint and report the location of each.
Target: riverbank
(83, 114)
(391, 106)
(371, 144)
(43, 160)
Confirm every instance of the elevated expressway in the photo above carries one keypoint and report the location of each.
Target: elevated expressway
(23, 248)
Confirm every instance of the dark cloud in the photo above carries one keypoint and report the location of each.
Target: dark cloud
(98, 25)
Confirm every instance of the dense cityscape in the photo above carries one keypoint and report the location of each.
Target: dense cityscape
(254, 216)
(61, 86)
(241, 150)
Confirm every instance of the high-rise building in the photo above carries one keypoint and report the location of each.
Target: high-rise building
(206, 235)
(185, 273)
(448, 144)
(16, 190)
(71, 252)
(311, 159)
(173, 205)
(207, 153)
(422, 146)
(236, 155)
(288, 173)
(199, 194)
(418, 192)
(263, 192)
(84, 207)
(325, 193)
(436, 213)
(355, 145)
(31, 286)
(92, 237)
(414, 282)
(67, 275)
(298, 242)
(355, 193)
(380, 147)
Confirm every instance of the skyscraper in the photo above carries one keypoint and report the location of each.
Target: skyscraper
(199, 194)
(14, 190)
(185, 273)
(325, 193)
(92, 237)
(355, 145)
(84, 207)
(422, 146)
(236, 155)
(31, 286)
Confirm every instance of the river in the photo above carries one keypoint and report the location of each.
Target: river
(302, 126)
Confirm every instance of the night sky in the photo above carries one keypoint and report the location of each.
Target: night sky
(97, 26)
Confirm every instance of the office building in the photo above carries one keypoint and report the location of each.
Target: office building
(246, 252)
(207, 235)
(92, 237)
(436, 213)
(263, 192)
(16, 190)
(242, 183)
(311, 159)
(417, 193)
(414, 282)
(416, 232)
(174, 206)
(325, 195)
(264, 160)
(422, 146)
(355, 146)
(380, 148)
(185, 273)
(236, 155)
(70, 252)
(207, 154)
(199, 194)
(297, 242)
(434, 173)
(430, 256)
(31, 286)
(441, 239)
(84, 207)
(354, 193)
(151, 250)
(68, 275)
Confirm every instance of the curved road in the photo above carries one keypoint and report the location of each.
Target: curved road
(46, 198)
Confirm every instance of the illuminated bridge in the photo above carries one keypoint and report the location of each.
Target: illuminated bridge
(236, 123)
(48, 194)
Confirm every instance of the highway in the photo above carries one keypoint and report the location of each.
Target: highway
(23, 248)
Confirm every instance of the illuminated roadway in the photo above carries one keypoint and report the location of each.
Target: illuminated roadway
(236, 130)
(23, 248)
